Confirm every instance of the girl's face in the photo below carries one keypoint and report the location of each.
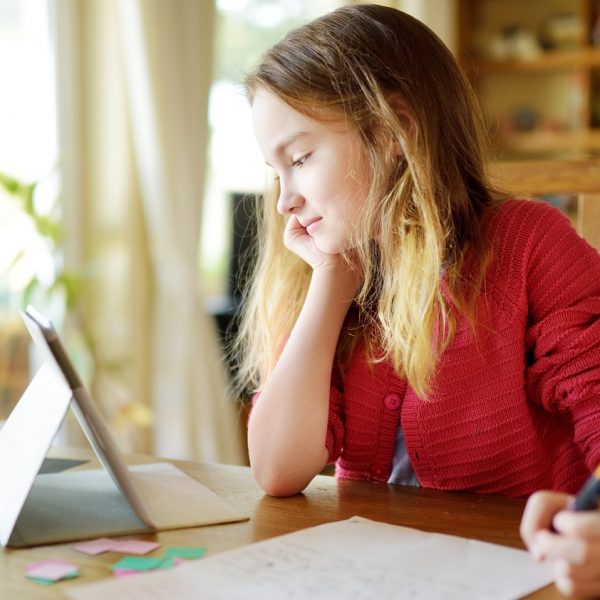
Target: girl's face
(323, 176)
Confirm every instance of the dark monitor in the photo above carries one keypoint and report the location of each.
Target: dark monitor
(243, 250)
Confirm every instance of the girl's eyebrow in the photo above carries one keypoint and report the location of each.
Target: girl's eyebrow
(287, 141)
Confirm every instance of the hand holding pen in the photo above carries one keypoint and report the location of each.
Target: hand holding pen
(588, 497)
(566, 530)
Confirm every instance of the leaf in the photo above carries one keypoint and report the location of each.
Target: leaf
(29, 290)
(71, 284)
(15, 261)
(48, 228)
(11, 185)
(27, 193)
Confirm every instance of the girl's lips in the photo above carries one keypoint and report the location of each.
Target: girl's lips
(312, 226)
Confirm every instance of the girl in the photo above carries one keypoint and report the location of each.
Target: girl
(405, 321)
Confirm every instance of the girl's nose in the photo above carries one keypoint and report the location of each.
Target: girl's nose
(288, 200)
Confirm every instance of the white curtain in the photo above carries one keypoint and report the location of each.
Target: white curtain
(168, 55)
(135, 78)
(439, 16)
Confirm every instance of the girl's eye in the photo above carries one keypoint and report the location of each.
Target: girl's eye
(300, 161)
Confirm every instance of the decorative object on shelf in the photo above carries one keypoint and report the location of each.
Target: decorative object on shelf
(562, 32)
(514, 42)
(520, 43)
(525, 118)
(556, 74)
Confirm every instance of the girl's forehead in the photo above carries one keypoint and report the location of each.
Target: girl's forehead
(269, 107)
(270, 113)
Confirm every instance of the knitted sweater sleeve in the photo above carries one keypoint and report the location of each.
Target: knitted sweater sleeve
(562, 274)
(335, 427)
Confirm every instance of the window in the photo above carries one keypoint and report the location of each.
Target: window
(245, 29)
(28, 145)
(28, 153)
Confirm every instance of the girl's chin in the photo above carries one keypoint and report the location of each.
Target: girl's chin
(329, 247)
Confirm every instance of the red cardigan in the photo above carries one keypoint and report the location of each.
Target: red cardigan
(517, 409)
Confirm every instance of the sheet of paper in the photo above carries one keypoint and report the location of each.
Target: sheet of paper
(354, 559)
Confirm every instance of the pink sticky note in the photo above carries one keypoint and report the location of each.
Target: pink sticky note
(133, 546)
(51, 569)
(126, 572)
(94, 547)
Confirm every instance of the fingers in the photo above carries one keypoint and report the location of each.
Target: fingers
(570, 541)
(575, 562)
(539, 512)
(547, 545)
(293, 229)
(575, 582)
(585, 524)
(297, 240)
(565, 570)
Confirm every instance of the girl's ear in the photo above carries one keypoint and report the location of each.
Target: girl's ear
(404, 117)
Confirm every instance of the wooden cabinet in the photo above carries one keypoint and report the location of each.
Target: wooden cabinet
(536, 67)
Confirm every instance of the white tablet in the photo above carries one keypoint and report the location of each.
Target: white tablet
(93, 424)
(40, 508)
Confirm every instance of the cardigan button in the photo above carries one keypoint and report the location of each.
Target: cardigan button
(391, 401)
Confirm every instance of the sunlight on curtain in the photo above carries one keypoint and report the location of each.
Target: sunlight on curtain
(103, 230)
(168, 54)
(133, 109)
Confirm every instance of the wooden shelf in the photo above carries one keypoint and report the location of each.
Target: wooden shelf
(548, 177)
(540, 177)
(559, 88)
(582, 58)
(586, 140)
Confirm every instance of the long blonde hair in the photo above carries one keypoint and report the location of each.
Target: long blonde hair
(396, 84)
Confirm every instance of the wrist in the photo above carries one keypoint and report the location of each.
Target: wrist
(340, 278)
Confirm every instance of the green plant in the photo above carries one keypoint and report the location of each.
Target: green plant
(48, 227)
(62, 290)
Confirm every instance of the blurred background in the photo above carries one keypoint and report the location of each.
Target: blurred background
(126, 161)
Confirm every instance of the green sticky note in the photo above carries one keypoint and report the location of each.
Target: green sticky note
(167, 562)
(188, 553)
(140, 563)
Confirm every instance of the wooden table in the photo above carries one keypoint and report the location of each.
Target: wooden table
(487, 518)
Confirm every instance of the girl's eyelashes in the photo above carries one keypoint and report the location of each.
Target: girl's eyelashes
(299, 162)
(296, 163)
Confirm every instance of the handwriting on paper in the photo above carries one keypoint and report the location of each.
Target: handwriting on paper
(354, 559)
